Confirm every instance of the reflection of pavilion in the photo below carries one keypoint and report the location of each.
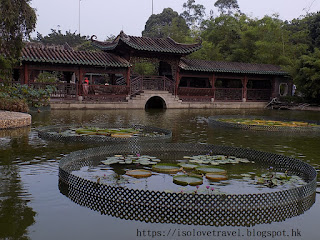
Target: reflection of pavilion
(112, 72)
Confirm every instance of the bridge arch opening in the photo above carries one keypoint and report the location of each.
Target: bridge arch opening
(155, 103)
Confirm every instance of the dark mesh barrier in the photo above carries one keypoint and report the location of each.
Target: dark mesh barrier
(214, 121)
(187, 208)
(56, 133)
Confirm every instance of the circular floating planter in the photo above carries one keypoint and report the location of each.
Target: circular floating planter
(139, 173)
(187, 180)
(216, 177)
(200, 207)
(209, 169)
(264, 124)
(104, 133)
(166, 168)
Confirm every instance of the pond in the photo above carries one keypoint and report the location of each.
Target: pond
(32, 206)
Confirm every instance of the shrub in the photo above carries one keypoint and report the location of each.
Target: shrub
(16, 105)
(21, 97)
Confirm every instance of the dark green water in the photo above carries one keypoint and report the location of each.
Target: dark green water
(32, 207)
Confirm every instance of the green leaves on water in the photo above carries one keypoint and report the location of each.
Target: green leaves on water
(131, 159)
(188, 166)
(187, 180)
(166, 168)
(139, 173)
(216, 159)
(274, 179)
(210, 169)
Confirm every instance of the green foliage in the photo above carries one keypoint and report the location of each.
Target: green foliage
(56, 37)
(47, 77)
(307, 76)
(241, 39)
(13, 104)
(24, 94)
(145, 68)
(313, 23)
(17, 21)
(166, 24)
(227, 6)
(193, 13)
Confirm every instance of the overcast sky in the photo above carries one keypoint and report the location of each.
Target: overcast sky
(105, 17)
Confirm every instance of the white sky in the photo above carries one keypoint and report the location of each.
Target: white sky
(105, 17)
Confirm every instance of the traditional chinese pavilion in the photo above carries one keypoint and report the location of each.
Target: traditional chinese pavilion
(111, 73)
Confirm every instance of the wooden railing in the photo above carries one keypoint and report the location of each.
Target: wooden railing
(60, 90)
(140, 83)
(259, 94)
(160, 83)
(228, 94)
(195, 94)
(121, 81)
(135, 85)
(104, 92)
(155, 83)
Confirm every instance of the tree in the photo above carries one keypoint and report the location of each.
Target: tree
(222, 33)
(227, 6)
(272, 45)
(17, 21)
(166, 24)
(56, 37)
(313, 23)
(307, 76)
(193, 13)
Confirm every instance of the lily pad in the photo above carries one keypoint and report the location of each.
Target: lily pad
(216, 177)
(209, 169)
(139, 173)
(166, 168)
(121, 135)
(187, 180)
(188, 166)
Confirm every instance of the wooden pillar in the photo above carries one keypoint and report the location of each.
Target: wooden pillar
(128, 80)
(25, 74)
(244, 88)
(177, 81)
(80, 73)
(275, 87)
(213, 81)
(188, 82)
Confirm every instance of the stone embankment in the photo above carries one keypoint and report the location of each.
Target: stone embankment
(14, 119)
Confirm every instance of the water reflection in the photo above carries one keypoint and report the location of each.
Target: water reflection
(15, 214)
(186, 125)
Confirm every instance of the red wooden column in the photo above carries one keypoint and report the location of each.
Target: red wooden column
(25, 74)
(244, 88)
(128, 80)
(213, 80)
(177, 81)
(80, 75)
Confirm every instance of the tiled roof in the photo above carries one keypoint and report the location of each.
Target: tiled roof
(230, 67)
(161, 45)
(65, 55)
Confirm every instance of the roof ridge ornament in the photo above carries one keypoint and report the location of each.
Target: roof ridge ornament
(124, 36)
(93, 38)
